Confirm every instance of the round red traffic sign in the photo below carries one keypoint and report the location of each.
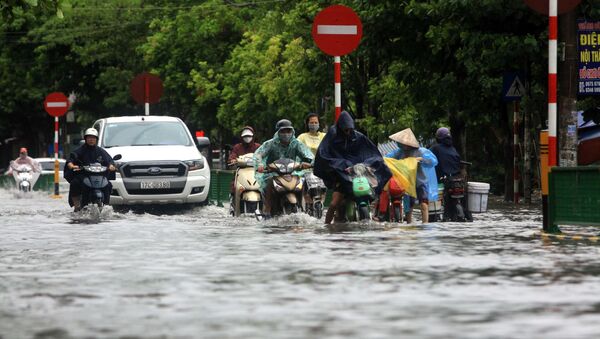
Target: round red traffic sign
(146, 88)
(56, 104)
(337, 30)
(541, 6)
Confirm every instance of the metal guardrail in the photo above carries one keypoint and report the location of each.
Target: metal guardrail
(574, 197)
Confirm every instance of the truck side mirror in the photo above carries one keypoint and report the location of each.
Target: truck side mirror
(204, 146)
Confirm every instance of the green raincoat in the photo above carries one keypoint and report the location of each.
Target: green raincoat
(272, 150)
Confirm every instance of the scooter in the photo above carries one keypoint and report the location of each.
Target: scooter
(390, 206)
(23, 176)
(363, 182)
(247, 197)
(288, 186)
(95, 181)
(316, 189)
(455, 196)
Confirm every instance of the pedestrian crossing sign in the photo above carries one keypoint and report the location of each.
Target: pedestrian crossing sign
(513, 87)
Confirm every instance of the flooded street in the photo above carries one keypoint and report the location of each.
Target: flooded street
(201, 274)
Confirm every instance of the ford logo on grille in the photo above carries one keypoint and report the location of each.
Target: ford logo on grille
(154, 170)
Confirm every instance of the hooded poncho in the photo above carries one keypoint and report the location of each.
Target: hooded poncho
(338, 152)
(273, 150)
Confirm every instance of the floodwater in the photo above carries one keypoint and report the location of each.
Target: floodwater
(200, 274)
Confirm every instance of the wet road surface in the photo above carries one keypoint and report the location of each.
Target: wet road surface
(198, 273)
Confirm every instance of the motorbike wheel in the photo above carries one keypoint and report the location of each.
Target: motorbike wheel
(460, 214)
(290, 208)
(318, 210)
(250, 206)
(397, 214)
(363, 212)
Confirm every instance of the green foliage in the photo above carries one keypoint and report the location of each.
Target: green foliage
(226, 64)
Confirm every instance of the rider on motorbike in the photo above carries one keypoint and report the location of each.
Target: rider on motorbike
(311, 138)
(448, 157)
(426, 180)
(24, 159)
(449, 166)
(85, 155)
(248, 145)
(283, 145)
(342, 148)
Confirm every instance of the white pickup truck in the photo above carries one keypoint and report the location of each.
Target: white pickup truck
(160, 163)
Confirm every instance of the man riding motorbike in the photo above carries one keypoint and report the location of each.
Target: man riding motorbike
(282, 145)
(449, 166)
(342, 148)
(24, 159)
(448, 157)
(85, 155)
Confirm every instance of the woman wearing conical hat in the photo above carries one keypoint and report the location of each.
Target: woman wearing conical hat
(426, 178)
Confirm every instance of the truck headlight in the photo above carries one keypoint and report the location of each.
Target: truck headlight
(195, 164)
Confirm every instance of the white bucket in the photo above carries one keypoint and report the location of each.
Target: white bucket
(478, 196)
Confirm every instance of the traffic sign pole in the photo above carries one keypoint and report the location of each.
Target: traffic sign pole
(56, 165)
(147, 95)
(337, 31)
(56, 104)
(552, 55)
(337, 67)
(516, 152)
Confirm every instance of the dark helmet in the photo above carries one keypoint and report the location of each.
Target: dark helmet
(282, 124)
(442, 133)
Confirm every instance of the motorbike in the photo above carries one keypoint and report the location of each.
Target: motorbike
(316, 189)
(287, 185)
(24, 177)
(455, 196)
(363, 182)
(95, 181)
(390, 205)
(246, 198)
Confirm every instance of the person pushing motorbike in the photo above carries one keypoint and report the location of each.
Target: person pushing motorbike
(85, 155)
(426, 185)
(342, 148)
(282, 145)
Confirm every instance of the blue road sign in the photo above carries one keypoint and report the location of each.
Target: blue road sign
(513, 86)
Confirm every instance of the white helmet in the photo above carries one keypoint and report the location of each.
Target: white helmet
(91, 131)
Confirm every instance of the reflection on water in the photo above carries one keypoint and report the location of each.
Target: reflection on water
(196, 272)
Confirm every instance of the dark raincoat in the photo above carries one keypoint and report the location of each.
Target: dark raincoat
(83, 156)
(338, 152)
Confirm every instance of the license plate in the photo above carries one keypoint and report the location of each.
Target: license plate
(155, 184)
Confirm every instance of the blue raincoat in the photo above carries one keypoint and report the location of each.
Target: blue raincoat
(272, 150)
(426, 170)
(338, 152)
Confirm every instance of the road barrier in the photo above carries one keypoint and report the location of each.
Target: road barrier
(574, 197)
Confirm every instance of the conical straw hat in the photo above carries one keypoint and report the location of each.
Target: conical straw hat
(405, 137)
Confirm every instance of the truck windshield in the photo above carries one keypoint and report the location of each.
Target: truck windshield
(145, 133)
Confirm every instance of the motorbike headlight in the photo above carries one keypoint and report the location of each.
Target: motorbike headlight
(195, 164)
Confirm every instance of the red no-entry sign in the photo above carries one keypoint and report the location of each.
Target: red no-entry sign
(56, 104)
(337, 30)
(541, 6)
(146, 88)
